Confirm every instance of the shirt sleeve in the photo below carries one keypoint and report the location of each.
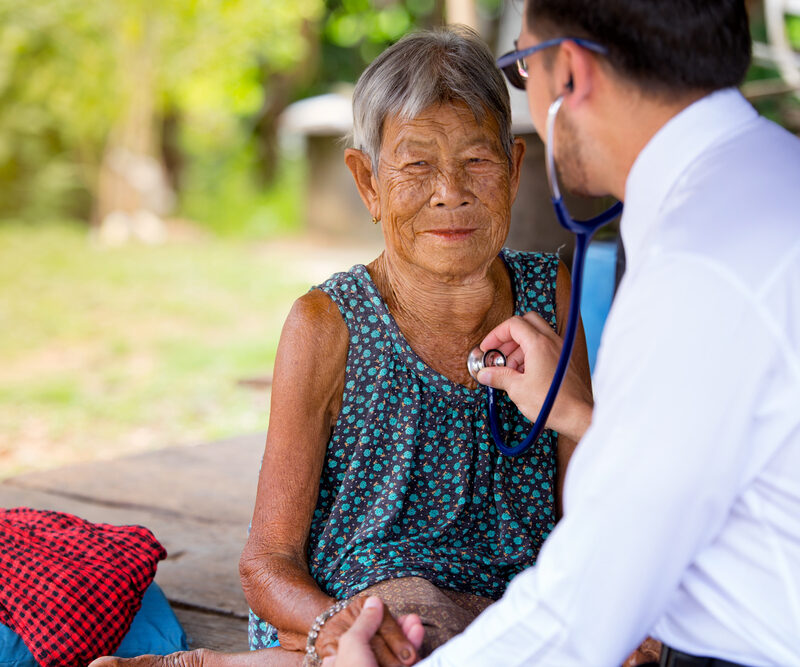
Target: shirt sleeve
(683, 359)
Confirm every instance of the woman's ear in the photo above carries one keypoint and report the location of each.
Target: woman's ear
(360, 166)
(517, 154)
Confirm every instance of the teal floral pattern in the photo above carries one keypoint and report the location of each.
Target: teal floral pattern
(412, 483)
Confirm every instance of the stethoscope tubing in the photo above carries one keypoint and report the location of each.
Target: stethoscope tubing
(583, 230)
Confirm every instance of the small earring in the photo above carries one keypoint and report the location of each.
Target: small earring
(375, 220)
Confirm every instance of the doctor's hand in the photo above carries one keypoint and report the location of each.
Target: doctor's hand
(388, 644)
(354, 648)
(532, 349)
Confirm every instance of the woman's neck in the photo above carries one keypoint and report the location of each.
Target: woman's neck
(443, 319)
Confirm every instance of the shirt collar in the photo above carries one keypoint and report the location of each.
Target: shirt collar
(668, 154)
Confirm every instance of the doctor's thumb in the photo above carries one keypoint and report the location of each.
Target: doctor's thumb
(499, 377)
(369, 619)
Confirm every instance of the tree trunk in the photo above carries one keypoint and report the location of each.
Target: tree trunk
(462, 11)
(133, 191)
(278, 91)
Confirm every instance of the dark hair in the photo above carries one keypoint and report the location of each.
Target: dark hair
(661, 45)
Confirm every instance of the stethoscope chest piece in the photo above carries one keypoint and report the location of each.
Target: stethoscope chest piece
(478, 359)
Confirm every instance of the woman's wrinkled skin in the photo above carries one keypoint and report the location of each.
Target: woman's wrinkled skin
(443, 191)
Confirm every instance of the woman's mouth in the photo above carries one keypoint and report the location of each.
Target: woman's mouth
(451, 234)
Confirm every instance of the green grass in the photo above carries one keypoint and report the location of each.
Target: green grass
(223, 195)
(107, 351)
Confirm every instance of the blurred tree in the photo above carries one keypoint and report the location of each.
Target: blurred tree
(85, 83)
(53, 117)
(354, 32)
(105, 106)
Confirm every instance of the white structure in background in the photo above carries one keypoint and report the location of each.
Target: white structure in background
(330, 114)
(332, 204)
(778, 51)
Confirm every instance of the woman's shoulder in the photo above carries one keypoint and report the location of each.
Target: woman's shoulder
(537, 266)
(528, 259)
(344, 282)
(356, 296)
(315, 326)
(316, 311)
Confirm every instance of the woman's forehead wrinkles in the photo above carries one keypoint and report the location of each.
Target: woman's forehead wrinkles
(429, 135)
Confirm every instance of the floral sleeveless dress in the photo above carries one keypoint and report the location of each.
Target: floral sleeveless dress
(412, 484)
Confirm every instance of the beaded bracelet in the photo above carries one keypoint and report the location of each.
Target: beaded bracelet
(312, 659)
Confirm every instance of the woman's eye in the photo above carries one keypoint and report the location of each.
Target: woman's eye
(418, 163)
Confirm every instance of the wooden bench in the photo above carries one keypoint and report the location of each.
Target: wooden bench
(197, 501)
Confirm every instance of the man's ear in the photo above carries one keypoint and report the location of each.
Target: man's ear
(517, 155)
(575, 71)
(360, 166)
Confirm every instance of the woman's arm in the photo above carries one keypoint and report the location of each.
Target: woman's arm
(307, 386)
(306, 395)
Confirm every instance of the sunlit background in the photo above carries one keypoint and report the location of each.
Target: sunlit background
(163, 199)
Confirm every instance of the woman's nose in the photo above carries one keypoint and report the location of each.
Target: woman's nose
(451, 190)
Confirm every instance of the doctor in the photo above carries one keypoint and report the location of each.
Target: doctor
(682, 501)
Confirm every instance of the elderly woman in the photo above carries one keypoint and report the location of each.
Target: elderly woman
(380, 475)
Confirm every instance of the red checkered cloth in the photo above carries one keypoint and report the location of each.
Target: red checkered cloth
(70, 588)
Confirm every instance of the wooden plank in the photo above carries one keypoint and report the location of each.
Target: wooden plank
(202, 568)
(214, 631)
(214, 482)
(206, 576)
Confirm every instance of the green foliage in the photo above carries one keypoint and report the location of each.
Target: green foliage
(221, 191)
(69, 68)
(354, 32)
(53, 116)
(793, 30)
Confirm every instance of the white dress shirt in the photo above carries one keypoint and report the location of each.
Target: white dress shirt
(682, 501)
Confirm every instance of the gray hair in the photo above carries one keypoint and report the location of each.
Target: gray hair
(425, 69)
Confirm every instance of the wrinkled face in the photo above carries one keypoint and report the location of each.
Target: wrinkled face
(445, 188)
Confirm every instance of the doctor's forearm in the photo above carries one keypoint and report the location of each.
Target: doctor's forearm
(578, 419)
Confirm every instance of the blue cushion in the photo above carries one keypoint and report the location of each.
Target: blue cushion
(13, 653)
(154, 630)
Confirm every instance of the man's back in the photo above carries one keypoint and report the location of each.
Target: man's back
(682, 501)
(719, 253)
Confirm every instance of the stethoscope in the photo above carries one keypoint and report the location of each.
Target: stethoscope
(583, 230)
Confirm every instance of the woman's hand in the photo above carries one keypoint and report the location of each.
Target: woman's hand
(389, 645)
(649, 651)
(532, 349)
(358, 646)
